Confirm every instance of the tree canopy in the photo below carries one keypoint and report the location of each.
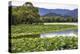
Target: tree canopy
(24, 14)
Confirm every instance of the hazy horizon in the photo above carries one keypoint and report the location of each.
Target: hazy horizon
(49, 5)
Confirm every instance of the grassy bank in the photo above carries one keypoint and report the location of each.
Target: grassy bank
(19, 30)
(43, 44)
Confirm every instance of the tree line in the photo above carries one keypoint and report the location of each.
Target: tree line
(58, 19)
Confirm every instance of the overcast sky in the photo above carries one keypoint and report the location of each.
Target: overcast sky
(50, 4)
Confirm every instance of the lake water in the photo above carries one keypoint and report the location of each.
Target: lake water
(60, 33)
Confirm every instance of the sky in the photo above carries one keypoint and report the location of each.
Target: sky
(50, 4)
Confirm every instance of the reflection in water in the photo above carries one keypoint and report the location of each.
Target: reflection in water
(60, 33)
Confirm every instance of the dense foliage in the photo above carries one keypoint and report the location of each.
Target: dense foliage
(24, 15)
(43, 44)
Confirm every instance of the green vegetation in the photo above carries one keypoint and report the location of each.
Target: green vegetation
(24, 15)
(29, 15)
(27, 25)
(27, 30)
(58, 19)
(43, 44)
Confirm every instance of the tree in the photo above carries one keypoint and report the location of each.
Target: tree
(25, 14)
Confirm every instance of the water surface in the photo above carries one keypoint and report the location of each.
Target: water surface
(60, 33)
